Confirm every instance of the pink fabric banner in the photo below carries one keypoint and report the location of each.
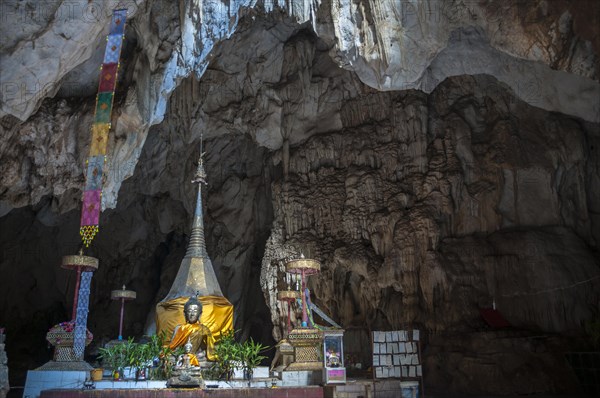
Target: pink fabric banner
(90, 211)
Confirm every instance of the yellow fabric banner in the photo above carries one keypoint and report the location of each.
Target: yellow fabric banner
(99, 139)
(217, 316)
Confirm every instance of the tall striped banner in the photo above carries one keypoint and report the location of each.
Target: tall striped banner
(96, 162)
(80, 332)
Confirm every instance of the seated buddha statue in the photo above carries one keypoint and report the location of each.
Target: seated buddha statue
(186, 372)
(192, 332)
(187, 359)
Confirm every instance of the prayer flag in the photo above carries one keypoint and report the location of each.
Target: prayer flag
(94, 173)
(103, 107)
(81, 314)
(117, 24)
(90, 211)
(113, 49)
(91, 206)
(108, 78)
(99, 139)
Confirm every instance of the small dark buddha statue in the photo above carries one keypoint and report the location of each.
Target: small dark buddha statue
(186, 372)
(187, 359)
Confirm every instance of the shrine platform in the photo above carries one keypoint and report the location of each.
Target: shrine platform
(41, 383)
(278, 392)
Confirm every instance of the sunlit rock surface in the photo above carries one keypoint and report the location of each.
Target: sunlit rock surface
(390, 45)
(436, 157)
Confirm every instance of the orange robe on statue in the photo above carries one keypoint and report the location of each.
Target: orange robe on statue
(195, 332)
(193, 360)
(217, 316)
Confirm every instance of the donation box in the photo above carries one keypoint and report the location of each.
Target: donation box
(334, 371)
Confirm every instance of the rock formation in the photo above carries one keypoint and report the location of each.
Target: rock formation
(435, 157)
(4, 383)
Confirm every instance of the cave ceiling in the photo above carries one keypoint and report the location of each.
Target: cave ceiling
(545, 52)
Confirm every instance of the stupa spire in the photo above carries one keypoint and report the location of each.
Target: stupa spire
(196, 275)
(197, 245)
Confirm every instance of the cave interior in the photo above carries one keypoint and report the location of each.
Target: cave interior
(435, 164)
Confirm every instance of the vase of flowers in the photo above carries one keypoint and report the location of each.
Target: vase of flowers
(62, 336)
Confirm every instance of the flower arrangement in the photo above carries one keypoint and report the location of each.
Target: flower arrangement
(63, 334)
(67, 326)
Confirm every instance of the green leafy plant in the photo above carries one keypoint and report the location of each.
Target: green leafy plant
(250, 356)
(227, 351)
(156, 344)
(162, 356)
(114, 357)
(126, 354)
(233, 355)
(141, 357)
(144, 355)
(130, 351)
(230, 355)
(213, 372)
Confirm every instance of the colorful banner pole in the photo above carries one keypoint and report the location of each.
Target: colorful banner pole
(96, 162)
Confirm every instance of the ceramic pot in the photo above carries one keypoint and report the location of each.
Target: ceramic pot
(96, 374)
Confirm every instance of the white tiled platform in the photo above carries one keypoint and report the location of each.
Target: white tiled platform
(300, 378)
(38, 380)
(260, 372)
(255, 383)
(130, 384)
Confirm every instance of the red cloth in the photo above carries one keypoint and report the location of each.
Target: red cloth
(108, 78)
(494, 318)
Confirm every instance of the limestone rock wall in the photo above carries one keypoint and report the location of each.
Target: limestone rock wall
(425, 209)
(4, 383)
(499, 362)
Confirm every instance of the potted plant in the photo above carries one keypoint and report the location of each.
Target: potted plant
(130, 352)
(233, 355)
(113, 357)
(159, 357)
(250, 357)
(142, 360)
(227, 351)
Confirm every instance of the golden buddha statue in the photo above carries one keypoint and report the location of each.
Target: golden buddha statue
(192, 332)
